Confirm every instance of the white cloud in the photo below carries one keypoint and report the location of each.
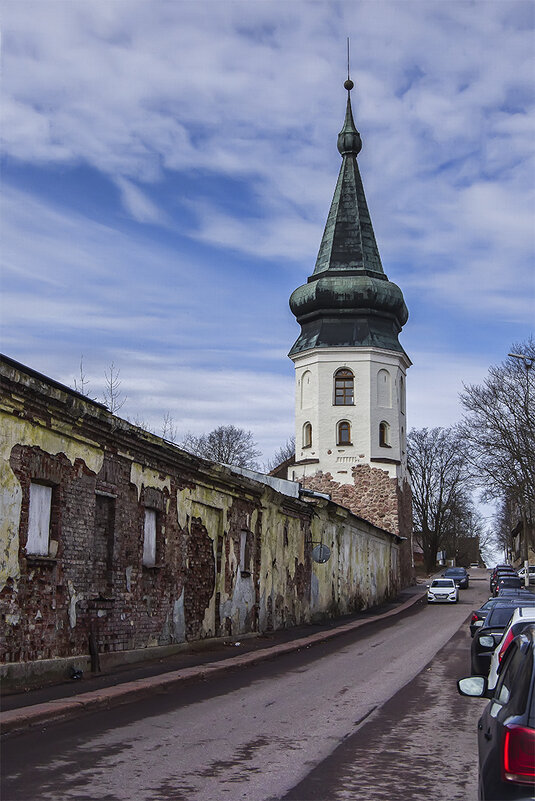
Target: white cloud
(138, 204)
(248, 98)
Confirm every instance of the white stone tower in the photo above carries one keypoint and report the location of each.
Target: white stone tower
(349, 365)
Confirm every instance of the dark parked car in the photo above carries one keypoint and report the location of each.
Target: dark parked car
(508, 583)
(489, 635)
(497, 574)
(459, 575)
(479, 615)
(506, 729)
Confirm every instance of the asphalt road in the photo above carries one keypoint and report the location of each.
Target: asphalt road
(371, 715)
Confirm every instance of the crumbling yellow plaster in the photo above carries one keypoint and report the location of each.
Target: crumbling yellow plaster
(145, 476)
(14, 431)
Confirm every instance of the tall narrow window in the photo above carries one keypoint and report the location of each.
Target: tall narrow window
(344, 387)
(39, 519)
(384, 389)
(384, 435)
(149, 538)
(343, 433)
(245, 552)
(307, 435)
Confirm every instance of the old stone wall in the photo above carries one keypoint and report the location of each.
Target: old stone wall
(232, 555)
(377, 498)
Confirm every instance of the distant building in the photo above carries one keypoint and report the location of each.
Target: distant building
(350, 369)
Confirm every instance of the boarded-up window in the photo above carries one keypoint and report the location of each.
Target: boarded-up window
(149, 538)
(39, 519)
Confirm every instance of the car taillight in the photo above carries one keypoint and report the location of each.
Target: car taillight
(519, 754)
(474, 618)
(509, 637)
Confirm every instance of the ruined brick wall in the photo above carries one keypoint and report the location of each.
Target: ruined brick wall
(231, 554)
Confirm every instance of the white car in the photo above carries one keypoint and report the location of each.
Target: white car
(522, 572)
(522, 617)
(442, 590)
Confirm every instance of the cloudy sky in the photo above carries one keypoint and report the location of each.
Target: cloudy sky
(168, 169)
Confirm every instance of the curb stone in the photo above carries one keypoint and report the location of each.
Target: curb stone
(16, 720)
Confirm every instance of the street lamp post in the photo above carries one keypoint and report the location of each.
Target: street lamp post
(528, 364)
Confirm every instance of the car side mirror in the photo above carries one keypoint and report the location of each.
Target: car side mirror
(473, 686)
(487, 641)
(427, 586)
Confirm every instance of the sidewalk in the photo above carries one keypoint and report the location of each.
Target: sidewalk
(204, 661)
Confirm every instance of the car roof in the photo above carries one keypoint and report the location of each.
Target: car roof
(523, 612)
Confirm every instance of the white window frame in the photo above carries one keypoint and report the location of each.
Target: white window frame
(149, 537)
(39, 512)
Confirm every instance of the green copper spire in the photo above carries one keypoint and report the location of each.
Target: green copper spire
(348, 299)
(348, 240)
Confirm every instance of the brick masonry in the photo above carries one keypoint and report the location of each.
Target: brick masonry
(233, 555)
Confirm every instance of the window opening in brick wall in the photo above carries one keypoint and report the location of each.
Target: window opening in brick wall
(245, 552)
(104, 540)
(149, 537)
(37, 542)
(307, 435)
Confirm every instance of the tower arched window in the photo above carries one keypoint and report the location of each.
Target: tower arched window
(307, 435)
(344, 387)
(384, 435)
(343, 433)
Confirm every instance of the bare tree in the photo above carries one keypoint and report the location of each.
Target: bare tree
(169, 429)
(113, 397)
(285, 452)
(81, 384)
(441, 499)
(225, 444)
(499, 430)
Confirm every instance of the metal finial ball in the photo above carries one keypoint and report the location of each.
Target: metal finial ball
(349, 84)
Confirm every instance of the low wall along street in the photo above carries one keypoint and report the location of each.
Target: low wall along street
(115, 541)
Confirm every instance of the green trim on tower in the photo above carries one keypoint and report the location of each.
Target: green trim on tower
(348, 300)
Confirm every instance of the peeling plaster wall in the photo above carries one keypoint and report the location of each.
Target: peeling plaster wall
(233, 555)
(15, 431)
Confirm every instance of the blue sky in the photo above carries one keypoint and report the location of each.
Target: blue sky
(168, 168)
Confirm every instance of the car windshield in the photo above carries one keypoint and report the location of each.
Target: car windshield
(455, 571)
(441, 583)
(510, 582)
(499, 616)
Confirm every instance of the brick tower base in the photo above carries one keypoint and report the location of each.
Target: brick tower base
(377, 498)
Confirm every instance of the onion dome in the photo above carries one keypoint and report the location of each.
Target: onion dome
(348, 300)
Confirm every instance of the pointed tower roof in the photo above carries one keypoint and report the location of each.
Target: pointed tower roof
(348, 300)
